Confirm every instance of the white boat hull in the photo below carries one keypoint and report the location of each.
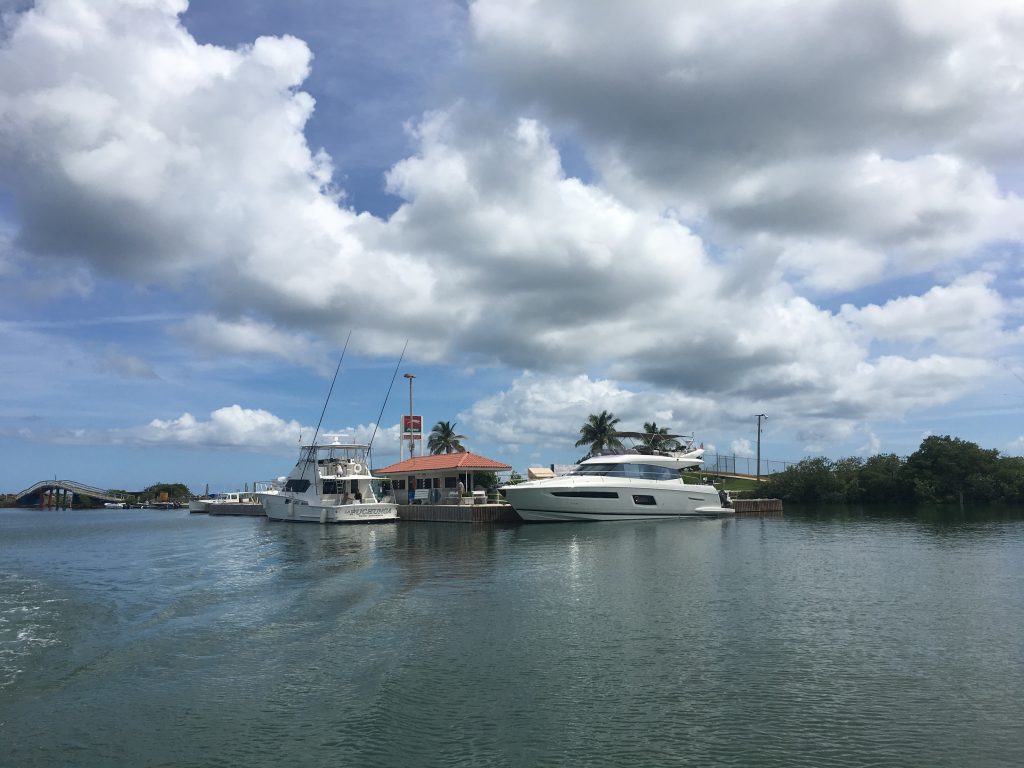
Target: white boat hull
(285, 508)
(595, 499)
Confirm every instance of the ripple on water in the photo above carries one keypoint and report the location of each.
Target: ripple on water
(29, 621)
(222, 641)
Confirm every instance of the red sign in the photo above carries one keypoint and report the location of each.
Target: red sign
(412, 426)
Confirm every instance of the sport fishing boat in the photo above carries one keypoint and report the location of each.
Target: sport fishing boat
(330, 483)
(628, 484)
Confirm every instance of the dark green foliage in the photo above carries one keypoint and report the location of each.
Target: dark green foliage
(943, 470)
(599, 432)
(812, 480)
(444, 439)
(882, 479)
(174, 491)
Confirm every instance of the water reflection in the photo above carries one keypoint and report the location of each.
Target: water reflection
(938, 520)
(334, 549)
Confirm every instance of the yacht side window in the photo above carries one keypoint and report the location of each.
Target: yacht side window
(592, 469)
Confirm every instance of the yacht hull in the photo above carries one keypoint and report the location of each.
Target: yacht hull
(284, 508)
(549, 501)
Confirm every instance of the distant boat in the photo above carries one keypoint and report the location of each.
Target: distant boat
(330, 483)
(231, 503)
(631, 484)
(114, 505)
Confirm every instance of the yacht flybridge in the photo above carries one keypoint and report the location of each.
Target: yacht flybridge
(629, 484)
(330, 483)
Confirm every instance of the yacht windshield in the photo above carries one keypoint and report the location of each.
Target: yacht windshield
(627, 469)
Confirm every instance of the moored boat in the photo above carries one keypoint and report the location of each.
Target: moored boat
(635, 484)
(330, 483)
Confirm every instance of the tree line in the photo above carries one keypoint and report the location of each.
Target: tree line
(944, 469)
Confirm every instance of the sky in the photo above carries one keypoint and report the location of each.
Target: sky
(683, 212)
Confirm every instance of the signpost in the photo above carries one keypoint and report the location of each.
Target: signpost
(412, 427)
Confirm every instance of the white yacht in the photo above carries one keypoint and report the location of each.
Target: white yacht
(628, 485)
(330, 483)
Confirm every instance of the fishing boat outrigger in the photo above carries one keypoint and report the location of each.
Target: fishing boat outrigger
(330, 483)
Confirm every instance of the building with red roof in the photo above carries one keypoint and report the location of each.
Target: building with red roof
(435, 479)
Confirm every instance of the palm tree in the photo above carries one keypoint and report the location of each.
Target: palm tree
(443, 439)
(657, 439)
(599, 432)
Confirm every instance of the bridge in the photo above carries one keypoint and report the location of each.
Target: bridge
(62, 493)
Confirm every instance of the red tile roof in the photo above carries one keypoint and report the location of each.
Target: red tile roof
(464, 460)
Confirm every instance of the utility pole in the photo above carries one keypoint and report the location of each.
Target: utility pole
(760, 416)
(412, 437)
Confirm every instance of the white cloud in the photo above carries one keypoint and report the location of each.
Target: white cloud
(966, 316)
(862, 129)
(757, 163)
(872, 446)
(252, 430)
(547, 411)
(232, 426)
(741, 447)
(247, 338)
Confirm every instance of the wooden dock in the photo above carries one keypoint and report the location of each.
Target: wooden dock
(458, 513)
(757, 507)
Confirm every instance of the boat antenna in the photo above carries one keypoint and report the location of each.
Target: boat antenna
(309, 454)
(385, 404)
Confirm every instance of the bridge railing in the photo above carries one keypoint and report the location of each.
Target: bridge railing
(71, 485)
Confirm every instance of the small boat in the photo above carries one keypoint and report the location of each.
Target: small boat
(238, 503)
(630, 484)
(114, 505)
(199, 505)
(235, 503)
(330, 483)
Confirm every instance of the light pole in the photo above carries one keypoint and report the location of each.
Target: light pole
(760, 416)
(412, 438)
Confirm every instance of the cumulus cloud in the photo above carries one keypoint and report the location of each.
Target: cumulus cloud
(232, 426)
(756, 171)
(966, 316)
(872, 446)
(546, 410)
(741, 447)
(844, 128)
(235, 427)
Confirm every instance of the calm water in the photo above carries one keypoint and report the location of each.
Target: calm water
(159, 638)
